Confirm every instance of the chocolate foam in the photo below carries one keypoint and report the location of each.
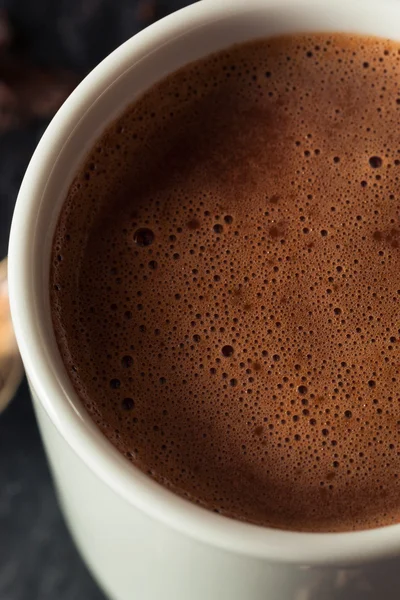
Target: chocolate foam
(225, 282)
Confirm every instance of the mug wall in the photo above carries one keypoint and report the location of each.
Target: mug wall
(132, 555)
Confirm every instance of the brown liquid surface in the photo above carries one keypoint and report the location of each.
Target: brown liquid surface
(225, 283)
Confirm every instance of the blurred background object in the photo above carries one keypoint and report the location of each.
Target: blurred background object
(46, 48)
(10, 362)
(27, 91)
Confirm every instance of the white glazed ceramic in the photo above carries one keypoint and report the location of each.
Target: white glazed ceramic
(140, 540)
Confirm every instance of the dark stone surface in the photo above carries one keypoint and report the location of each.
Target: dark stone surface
(38, 560)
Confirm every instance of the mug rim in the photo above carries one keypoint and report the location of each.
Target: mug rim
(76, 427)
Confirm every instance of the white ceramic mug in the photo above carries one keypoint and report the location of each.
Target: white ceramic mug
(139, 539)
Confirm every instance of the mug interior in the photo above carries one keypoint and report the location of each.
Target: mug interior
(167, 45)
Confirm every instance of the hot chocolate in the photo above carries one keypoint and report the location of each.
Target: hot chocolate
(225, 282)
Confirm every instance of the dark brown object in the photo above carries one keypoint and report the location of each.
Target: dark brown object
(27, 91)
(146, 11)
